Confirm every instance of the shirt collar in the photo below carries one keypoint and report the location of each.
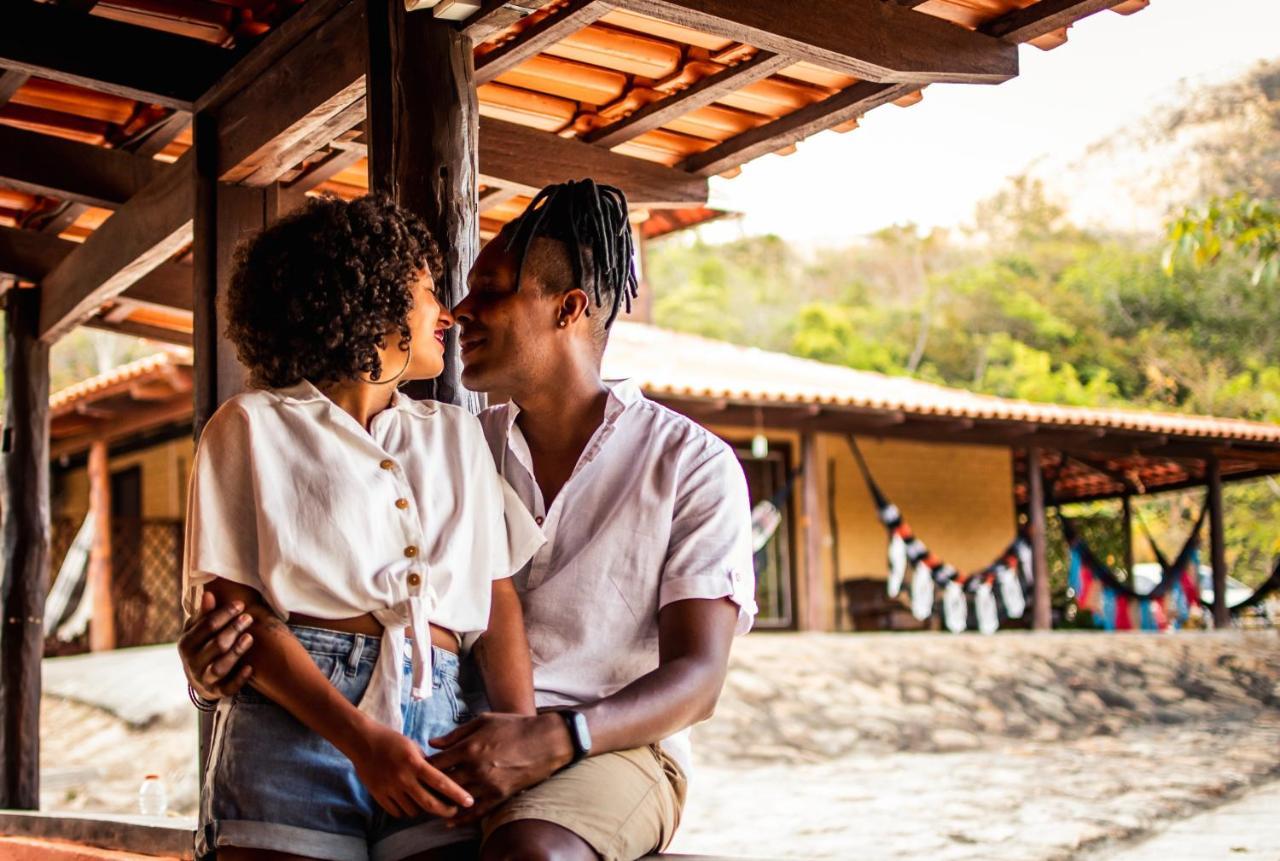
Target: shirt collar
(622, 395)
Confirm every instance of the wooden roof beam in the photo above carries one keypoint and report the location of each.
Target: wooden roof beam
(704, 92)
(142, 330)
(515, 156)
(869, 39)
(69, 170)
(31, 255)
(11, 80)
(845, 105)
(108, 56)
(551, 29)
(138, 238)
(497, 15)
(1042, 18)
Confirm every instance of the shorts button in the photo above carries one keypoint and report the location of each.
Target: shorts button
(411, 551)
(402, 504)
(413, 579)
(387, 464)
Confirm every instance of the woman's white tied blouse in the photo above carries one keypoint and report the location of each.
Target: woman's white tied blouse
(409, 520)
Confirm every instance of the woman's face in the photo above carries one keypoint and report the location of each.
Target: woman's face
(428, 321)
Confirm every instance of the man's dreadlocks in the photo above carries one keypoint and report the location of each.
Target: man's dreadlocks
(590, 221)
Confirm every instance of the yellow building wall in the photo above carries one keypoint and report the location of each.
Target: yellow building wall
(165, 467)
(957, 498)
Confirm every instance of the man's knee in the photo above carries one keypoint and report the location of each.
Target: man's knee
(535, 840)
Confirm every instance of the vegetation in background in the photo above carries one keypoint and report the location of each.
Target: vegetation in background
(1025, 304)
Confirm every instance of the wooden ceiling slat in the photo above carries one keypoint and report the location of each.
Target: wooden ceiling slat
(1042, 18)
(704, 92)
(770, 137)
(533, 41)
(40, 164)
(869, 39)
(108, 56)
(497, 15)
(142, 234)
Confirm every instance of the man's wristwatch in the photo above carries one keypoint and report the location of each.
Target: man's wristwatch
(579, 734)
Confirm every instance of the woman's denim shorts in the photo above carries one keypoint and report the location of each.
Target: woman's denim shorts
(272, 783)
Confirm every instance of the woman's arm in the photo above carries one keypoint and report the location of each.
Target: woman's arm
(391, 766)
(503, 654)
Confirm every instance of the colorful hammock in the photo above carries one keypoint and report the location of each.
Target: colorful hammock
(1002, 584)
(1116, 605)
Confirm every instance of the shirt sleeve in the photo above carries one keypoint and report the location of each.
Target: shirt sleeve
(222, 528)
(709, 555)
(508, 518)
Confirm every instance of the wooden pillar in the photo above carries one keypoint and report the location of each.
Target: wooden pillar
(423, 127)
(1126, 502)
(24, 448)
(1217, 544)
(102, 625)
(1041, 612)
(814, 607)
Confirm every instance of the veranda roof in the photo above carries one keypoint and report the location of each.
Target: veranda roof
(651, 94)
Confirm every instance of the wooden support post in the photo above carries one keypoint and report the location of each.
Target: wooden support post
(814, 612)
(102, 625)
(1217, 543)
(423, 122)
(1041, 612)
(1127, 512)
(25, 547)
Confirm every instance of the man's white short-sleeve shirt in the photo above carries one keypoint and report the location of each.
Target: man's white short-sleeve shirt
(656, 511)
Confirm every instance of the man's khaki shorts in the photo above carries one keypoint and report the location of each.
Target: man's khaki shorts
(625, 804)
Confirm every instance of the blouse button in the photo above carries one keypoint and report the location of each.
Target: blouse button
(402, 504)
(413, 579)
(538, 520)
(387, 464)
(411, 551)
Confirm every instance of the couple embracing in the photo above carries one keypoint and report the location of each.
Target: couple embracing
(356, 558)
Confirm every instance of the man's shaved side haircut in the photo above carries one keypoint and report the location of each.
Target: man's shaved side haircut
(590, 247)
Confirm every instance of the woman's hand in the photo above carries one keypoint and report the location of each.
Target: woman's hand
(397, 774)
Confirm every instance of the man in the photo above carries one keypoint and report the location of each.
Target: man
(632, 604)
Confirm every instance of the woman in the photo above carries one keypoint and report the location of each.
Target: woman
(375, 526)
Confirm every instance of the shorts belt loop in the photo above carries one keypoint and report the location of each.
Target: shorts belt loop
(353, 657)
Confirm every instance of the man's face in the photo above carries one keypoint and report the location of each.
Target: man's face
(507, 335)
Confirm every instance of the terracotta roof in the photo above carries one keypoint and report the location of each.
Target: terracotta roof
(155, 365)
(674, 364)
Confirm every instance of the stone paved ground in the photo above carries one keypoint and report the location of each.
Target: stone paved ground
(1247, 828)
(1015, 746)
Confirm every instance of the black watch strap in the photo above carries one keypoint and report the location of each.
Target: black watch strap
(579, 734)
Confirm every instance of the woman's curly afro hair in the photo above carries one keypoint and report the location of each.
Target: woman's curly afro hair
(315, 294)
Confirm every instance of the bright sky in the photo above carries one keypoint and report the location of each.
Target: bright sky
(932, 162)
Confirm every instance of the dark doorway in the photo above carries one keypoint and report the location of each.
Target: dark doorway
(775, 586)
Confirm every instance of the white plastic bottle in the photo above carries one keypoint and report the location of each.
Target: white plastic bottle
(152, 798)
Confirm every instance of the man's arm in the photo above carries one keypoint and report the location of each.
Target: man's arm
(502, 653)
(496, 756)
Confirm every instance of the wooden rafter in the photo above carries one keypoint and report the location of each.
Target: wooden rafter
(312, 94)
(140, 236)
(551, 29)
(42, 164)
(497, 15)
(869, 39)
(704, 92)
(848, 104)
(1039, 19)
(109, 56)
(31, 255)
(11, 80)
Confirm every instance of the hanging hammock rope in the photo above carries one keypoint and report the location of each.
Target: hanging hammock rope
(1002, 584)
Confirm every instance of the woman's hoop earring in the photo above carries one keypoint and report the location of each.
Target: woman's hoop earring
(408, 357)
